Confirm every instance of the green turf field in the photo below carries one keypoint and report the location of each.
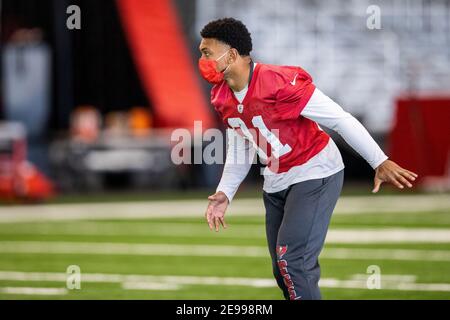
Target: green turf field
(179, 258)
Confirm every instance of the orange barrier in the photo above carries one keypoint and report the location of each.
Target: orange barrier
(163, 63)
(20, 180)
(420, 139)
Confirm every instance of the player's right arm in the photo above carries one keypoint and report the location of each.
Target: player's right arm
(239, 159)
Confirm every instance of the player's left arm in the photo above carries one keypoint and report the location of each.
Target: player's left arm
(323, 110)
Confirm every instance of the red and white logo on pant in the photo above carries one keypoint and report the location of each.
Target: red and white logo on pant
(282, 265)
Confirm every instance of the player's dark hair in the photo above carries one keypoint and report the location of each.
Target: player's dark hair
(230, 31)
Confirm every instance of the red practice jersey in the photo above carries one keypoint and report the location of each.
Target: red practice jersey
(269, 116)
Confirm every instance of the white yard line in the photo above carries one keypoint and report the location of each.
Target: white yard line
(136, 278)
(146, 229)
(33, 291)
(389, 235)
(169, 282)
(186, 230)
(405, 278)
(399, 286)
(102, 248)
(129, 249)
(150, 286)
(196, 208)
(386, 254)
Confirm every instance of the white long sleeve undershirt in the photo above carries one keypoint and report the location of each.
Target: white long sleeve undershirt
(238, 161)
(323, 110)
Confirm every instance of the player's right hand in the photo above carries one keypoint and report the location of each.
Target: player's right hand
(215, 213)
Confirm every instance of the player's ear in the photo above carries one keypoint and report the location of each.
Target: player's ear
(233, 55)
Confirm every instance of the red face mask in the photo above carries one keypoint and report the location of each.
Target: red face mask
(208, 70)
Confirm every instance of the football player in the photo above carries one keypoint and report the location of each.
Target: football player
(276, 111)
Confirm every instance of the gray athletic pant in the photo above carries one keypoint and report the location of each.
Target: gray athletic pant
(297, 220)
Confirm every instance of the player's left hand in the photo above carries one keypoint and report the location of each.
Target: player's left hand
(391, 172)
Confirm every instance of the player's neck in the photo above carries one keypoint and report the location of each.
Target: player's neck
(238, 79)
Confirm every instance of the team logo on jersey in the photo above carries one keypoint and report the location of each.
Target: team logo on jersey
(240, 108)
(281, 250)
(295, 78)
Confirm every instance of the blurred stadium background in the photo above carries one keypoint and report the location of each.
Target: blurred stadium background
(85, 172)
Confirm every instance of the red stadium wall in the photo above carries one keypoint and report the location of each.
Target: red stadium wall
(420, 139)
(163, 63)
